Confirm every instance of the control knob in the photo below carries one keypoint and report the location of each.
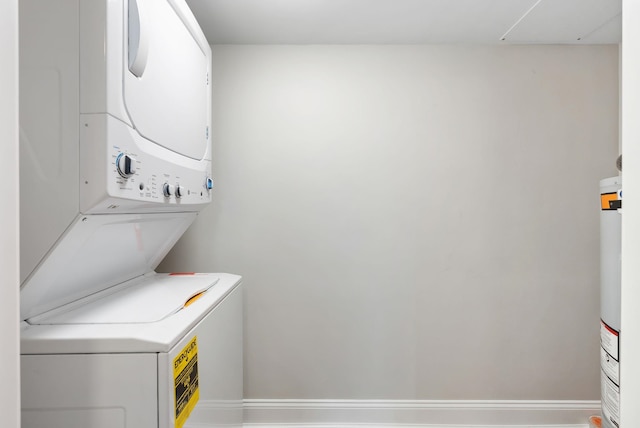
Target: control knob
(168, 189)
(126, 165)
(180, 191)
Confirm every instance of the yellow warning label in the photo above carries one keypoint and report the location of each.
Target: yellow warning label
(185, 376)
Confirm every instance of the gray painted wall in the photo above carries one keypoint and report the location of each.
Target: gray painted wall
(412, 222)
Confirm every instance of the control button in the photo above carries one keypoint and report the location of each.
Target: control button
(209, 184)
(180, 191)
(168, 189)
(126, 165)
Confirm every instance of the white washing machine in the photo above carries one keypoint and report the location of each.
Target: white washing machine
(137, 357)
(115, 164)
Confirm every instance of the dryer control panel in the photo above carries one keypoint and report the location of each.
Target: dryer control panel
(136, 174)
(137, 179)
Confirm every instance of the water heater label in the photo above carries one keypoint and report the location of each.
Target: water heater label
(610, 400)
(610, 367)
(609, 340)
(611, 201)
(185, 376)
(610, 373)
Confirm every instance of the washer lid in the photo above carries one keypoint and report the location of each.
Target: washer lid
(120, 336)
(147, 300)
(98, 252)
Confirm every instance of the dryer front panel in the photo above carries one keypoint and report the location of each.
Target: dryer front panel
(145, 104)
(166, 78)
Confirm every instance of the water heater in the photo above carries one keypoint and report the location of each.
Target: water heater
(610, 249)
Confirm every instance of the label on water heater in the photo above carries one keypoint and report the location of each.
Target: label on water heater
(610, 367)
(610, 373)
(610, 400)
(609, 340)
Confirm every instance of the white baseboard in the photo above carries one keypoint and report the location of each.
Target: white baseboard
(400, 426)
(423, 413)
(215, 414)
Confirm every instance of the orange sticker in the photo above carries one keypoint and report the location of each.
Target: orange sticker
(606, 199)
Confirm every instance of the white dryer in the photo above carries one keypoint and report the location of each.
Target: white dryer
(115, 164)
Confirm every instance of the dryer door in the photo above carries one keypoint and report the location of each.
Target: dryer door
(166, 76)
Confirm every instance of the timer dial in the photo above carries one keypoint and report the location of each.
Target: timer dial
(126, 165)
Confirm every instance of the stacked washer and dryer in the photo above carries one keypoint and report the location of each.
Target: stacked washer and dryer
(115, 107)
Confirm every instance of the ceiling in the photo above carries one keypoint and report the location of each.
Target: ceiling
(409, 21)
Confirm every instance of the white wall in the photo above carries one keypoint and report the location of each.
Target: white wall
(412, 222)
(630, 328)
(9, 285)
